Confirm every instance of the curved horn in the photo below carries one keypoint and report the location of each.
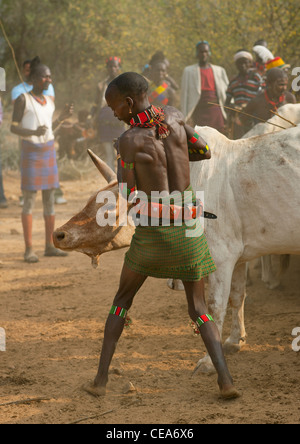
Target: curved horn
(104, 169)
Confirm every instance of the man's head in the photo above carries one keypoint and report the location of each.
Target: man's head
(40, 75)
(277, 81)
(261, 42)
(243, 61)
(113, 66)
(127, 95)
(158, 72)
(203, 52)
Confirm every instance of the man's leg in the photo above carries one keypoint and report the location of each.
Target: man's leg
(3, 201)
(210, 334)
(130, 283)
(29, 200)
(49, 218)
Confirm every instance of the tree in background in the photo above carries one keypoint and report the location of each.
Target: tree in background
(74, 37)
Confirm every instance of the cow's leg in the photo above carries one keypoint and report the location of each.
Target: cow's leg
(268, 276)
(130, 283)
(210, 334)
(237, 302)
(218, 296)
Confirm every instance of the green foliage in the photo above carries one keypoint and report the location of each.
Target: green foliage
(75, 37)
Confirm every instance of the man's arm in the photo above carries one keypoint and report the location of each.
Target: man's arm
(127, 168)
(18, 113)
(198, 148)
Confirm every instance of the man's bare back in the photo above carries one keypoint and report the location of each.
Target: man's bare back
(160, 164)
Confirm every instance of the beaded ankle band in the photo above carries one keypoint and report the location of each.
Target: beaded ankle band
(118, 311)
(203, 319)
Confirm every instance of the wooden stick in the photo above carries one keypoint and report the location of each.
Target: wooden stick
(249, 115)
(25, 401)
(90, 417)
(283, 118)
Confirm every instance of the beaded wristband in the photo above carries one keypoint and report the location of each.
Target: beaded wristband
(126, 191)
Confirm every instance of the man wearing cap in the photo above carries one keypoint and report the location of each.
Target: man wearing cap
(202, 84)
(273, 97)
(241, 90)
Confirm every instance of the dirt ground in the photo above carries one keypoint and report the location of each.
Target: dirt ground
(54, 313)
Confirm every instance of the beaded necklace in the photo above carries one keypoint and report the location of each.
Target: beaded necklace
(41, 102)
(274, 104)
(150, 118)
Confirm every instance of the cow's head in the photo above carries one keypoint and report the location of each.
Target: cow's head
(84, 234)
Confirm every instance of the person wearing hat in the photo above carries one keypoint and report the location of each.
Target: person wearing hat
(273, 97)
(201, 84)
(241, 90)
(262, 56)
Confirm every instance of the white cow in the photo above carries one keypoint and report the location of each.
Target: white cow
(290, 112)
(253, 187)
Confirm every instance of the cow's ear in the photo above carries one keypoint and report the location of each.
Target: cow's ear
(108, 174)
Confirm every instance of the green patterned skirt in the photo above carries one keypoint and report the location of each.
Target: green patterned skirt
(178, 252)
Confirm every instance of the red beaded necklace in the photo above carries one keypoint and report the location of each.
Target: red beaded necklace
(274, 104)
(40, 101)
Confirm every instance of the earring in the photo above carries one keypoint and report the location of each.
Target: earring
(130, 111)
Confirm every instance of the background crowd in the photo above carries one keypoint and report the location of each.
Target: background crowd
(255, 80)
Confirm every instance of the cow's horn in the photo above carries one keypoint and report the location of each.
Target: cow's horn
(104, 169)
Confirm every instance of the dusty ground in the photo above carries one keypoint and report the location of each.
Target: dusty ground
(54, 314)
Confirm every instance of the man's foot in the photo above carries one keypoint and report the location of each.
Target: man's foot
(51, 251)
(94, 390)
(60, 200)
(229, 392)
(3, 204)
(30, 257)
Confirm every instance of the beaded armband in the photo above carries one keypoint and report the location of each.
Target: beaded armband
(192, 149)
(127, 166)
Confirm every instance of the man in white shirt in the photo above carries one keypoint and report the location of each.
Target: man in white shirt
(203, 83)
(26, 86)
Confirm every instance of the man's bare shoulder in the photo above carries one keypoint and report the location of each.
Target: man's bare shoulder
(173, 114)
(131, 141)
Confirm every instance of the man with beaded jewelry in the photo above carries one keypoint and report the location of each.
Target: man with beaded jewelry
(154, 156)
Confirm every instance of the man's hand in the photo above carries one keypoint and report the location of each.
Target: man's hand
(66, 112)
(41, 131)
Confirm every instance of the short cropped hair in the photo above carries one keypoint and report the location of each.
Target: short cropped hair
(130, 84)
(276, 74)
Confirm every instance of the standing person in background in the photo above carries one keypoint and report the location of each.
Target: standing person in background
(241, 90)
(273, 97)
(263, 56)
(3, 201)
(32, 121)
(26, 87)
(203, 83)
(108, 128)
(161, 92)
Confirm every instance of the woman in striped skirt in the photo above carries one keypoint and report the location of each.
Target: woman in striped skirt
(32, 121)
